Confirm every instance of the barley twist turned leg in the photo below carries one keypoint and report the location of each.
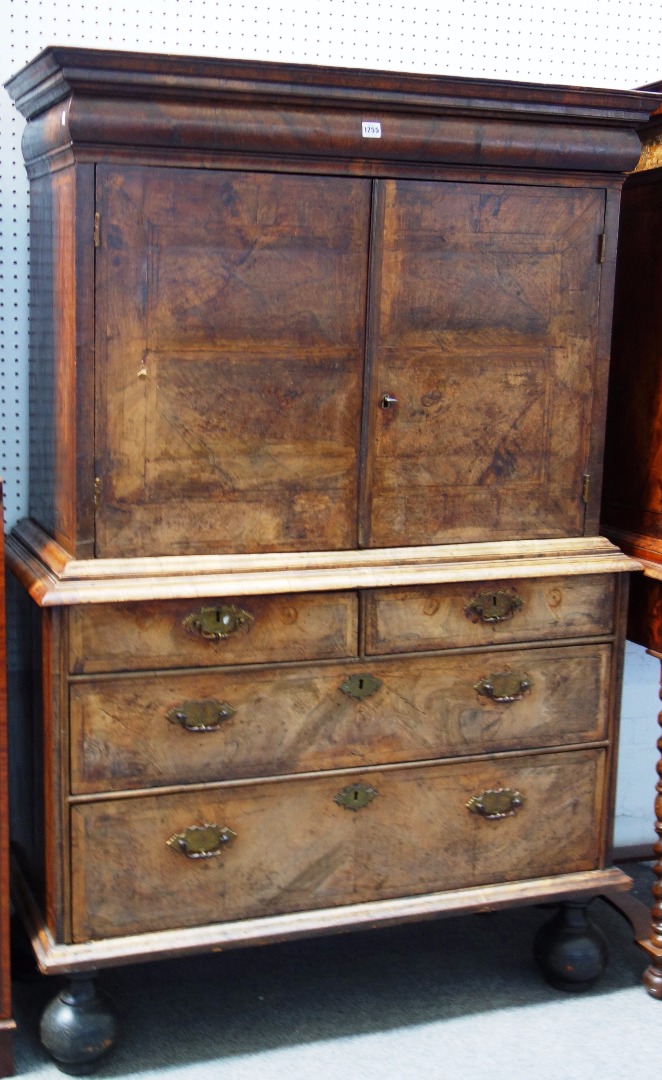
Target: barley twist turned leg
(653, 974)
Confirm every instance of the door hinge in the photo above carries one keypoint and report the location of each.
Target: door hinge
(586, 486)
(97, 229)
(602, 243)
(97, 492)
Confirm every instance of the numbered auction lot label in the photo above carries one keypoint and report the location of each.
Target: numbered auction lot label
(372, 129)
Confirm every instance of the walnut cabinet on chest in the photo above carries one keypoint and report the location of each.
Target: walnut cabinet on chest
(324, 635)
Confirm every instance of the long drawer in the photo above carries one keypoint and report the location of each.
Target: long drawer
(205, 633)
(470, 614)
(131, 732)
(244, 850)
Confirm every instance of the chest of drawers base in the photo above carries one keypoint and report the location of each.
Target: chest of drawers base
(236, 766)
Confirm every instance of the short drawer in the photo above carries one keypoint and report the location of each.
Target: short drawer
(467, 614)
(149, 863)
(184, 728)
(210, 632)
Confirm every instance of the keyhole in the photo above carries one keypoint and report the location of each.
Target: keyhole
(360, 684)
(356, 796)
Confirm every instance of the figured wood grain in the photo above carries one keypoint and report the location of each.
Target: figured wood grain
(437, 617)
(231, 335)
(137, 99)
(257, 271)
(297, 849)
(57, 958)
(137, 637)
(486, 311)
(288, 129)
(294, 720)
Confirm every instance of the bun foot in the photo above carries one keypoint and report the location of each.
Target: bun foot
(570, 950)
(652, 980)
(77, 1028)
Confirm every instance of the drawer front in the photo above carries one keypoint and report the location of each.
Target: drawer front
(294, 847)
(212, 632)
(467, 614)
(136, 732)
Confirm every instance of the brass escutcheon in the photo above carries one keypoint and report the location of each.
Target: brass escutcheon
(504, 687)
(496, 605)
(355, 797)
(200, 715)
(360, 686)
(495, 805)
(201, 841)
(218, 623)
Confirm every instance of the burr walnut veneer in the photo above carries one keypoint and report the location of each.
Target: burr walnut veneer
(322, 633)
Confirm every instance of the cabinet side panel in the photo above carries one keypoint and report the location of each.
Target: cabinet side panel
(61, 357)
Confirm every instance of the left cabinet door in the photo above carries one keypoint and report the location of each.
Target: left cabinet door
(230, 339)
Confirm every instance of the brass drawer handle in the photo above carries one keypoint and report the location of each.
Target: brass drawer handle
(200, 715)
(360, 686)
(496, 605)
(218, 623)
(494, 805)
(504, 687)
(355, 797)
(201, 841)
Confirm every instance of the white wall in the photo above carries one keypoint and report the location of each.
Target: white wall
(613, 43)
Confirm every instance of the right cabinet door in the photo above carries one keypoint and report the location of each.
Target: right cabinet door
(482, 350)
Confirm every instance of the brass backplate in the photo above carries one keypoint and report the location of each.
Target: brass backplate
(200, 715)
(360, 686)
(219, 622)
(201, 841)
(504, 687)
(494, 605)
(495, 805)
(355, 797)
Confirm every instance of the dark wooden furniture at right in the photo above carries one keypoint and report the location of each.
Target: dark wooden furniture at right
(632, 499)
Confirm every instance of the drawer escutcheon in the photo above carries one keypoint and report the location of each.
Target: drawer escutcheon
(504, 687)
(360, 686)
(218, 623)
(495, 805)
(498, 605)
(200, 715)
(355, 797)
(201, 841)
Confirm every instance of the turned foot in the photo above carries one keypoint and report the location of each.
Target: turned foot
(570, 949)
(77, 1028)
(652, 980)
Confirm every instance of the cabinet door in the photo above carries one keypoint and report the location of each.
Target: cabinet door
(485, 310)
(229, 360)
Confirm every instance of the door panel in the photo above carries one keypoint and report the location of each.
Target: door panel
(484, 333)
(230, 346)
